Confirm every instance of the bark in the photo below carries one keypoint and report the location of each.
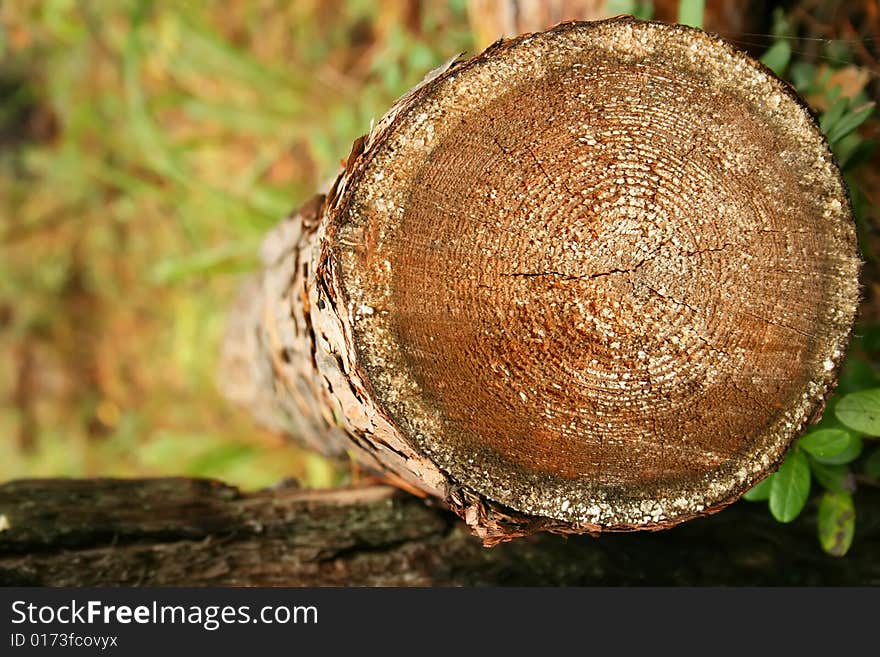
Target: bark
(494, 19)
(187, 532)
(593, 279)
(491, 20)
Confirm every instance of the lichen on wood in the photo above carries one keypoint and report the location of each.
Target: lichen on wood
(595, 278)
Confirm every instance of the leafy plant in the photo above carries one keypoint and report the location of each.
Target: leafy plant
(145, 149)
(790, 487)
(829, 453)
(837, 522)
(833, 453)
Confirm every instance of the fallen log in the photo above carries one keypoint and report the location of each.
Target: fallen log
(190, 532)
(593, 279)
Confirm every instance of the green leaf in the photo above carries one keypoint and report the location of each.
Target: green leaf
(837, 522)
(790, 487)
(830, 477)
(848, 455)
(690, 12)
(217, 460)
(777, 56)
(638, 8)
(861, 411)
(759, 493)
(825, 442)
(852, 120)
(832, 115)
(853, 150)
(320, 472)
(644, 9)
(802, 76)
(223, 259)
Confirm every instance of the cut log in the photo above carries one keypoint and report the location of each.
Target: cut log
(189, 532)
(596, 278)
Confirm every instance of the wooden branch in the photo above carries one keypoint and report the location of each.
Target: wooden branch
(181, 532)
(594, 279)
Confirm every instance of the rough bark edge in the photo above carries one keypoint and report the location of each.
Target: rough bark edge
(490, 520)
(344, 387)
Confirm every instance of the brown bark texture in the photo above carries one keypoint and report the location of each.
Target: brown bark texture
(593, 279)
(191, 532)
(496, 19)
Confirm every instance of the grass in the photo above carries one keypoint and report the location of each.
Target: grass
(146, 148)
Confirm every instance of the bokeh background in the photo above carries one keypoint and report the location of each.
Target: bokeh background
(145, 148)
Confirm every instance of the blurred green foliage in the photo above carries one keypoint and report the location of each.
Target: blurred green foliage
(145, 148)
(833, 452)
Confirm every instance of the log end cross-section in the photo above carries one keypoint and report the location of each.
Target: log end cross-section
(595, 278)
